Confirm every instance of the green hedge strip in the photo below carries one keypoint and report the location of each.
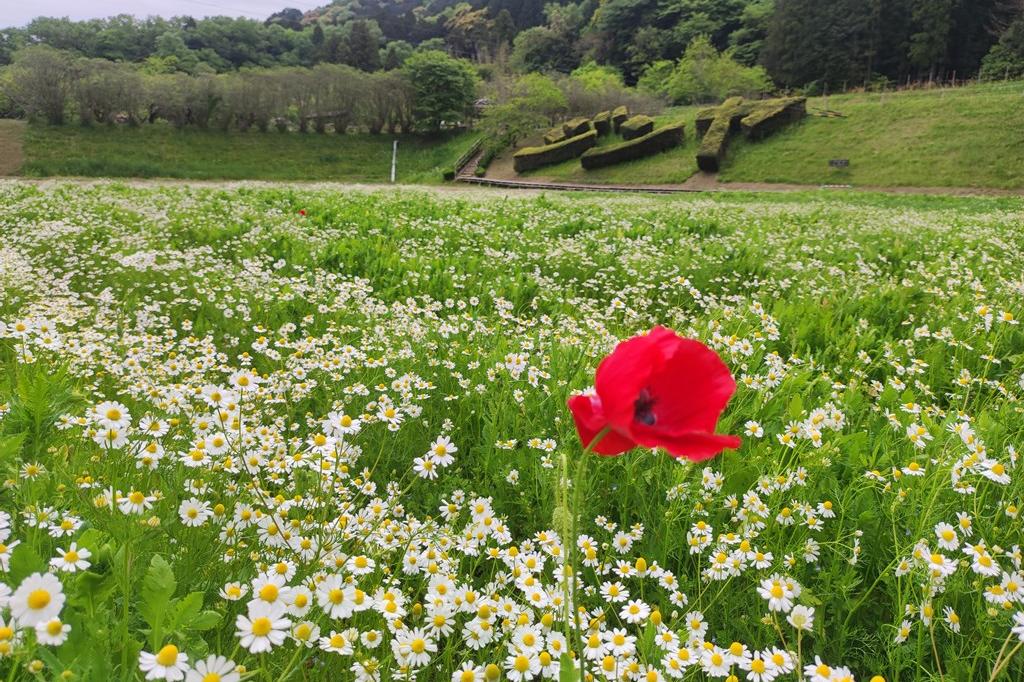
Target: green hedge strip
(576, 126)
(529, 158)
(636, 127)
(619, 116)
(554, 135)
(655, 142)
(716, 139)
(771, 115)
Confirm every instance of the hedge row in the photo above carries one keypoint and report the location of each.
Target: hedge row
(652, 143)
(529, 158)
(637, 126)
(554, 135)
(603, 123)
(619, 116)
(771, 115)
(716, 139)
(576, 126)
(705, 117)
(756, 120)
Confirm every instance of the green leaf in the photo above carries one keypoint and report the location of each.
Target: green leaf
(205, 621)
(55, 665)
(93, 587)
(10, 446)
(184, 610)
(809, 598)
(157, 589)
(24, 562)
(91, 539)
(855, 445)
(796, 407)
(567, 669)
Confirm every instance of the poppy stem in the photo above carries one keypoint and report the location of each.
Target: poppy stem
(597, 439)
(571, 518)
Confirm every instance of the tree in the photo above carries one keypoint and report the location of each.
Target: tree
(615, 24)
(1006, 58)
(657, 77)
(40, 83)
(10, 41)
(444, 89)
(747, 40)
(705, 75)
(386, 101)
(504, 30)
(289, 18)
(395, 54)
(363, 47)
(810, 41)
(172, 45)
(469, 32)
(598, 78)
(930, 44)
(534, 101)
(105, 91)
(542, 49)
(185, 100)
(540, 93)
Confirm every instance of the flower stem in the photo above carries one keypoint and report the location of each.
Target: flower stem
(570, 523)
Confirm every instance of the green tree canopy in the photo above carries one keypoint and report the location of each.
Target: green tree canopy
(444, 89)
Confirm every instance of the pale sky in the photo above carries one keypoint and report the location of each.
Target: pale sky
(20, 12)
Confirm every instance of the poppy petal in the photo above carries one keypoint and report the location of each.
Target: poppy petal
(623, 374)
(691, 389)
(695, 446)
(586, 412)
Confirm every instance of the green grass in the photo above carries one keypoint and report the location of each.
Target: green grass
(161, 151)
(967, 137)
(671, 167)
(11, 155)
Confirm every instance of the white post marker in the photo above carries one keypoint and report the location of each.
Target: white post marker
(394, 160)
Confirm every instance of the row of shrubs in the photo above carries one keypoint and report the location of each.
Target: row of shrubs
(653, 142)
(531, 158)
(578, 138)
(755, 119)
(604, 123)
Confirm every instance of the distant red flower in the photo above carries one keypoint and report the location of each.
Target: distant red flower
(657, 390)
(302, 211)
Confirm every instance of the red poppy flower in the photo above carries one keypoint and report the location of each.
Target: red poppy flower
(657, 390)
(302, 211)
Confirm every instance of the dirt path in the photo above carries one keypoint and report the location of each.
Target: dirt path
(11, 154)
(465, 190)
(709, 182)
(472, 187)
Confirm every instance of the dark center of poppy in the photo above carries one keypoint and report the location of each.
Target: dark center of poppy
(643, 408)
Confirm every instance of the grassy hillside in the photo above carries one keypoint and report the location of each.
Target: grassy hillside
(967, 137)
(160, 151)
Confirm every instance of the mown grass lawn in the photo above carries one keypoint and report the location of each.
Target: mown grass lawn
(160, 151)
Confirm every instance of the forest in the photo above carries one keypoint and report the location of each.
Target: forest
(808, 45)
